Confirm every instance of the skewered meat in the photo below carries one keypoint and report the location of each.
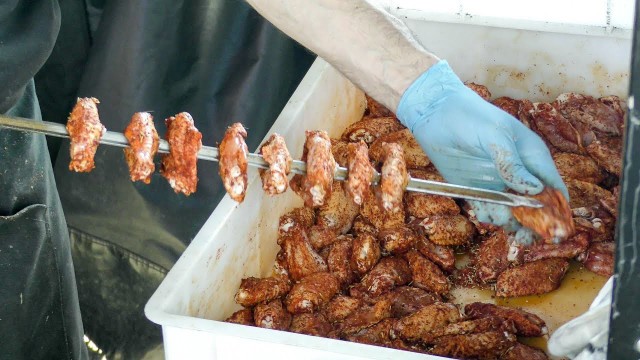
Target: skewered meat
(393, 177)
(557, 130)
(374, 213)
(338, 211)
(526, 323)
(254, 290)
(447, 230)
(312, 292)
(370, 128)
(85, 132)
(388, 273)
(143, 146)
(590, 111)
(365, 253)
(599, 258)
(317, 184)
(578, 167)
(310, 324)
(426, 275)
(607, 152)
(552, 221)
(179, 167)
(481, 90)
(568, 249)
(534, 278)
(442, 256)
(486, 345)
(340, 307)
(360, 171)
(301, 258)
(276, 154)
(272, 315)
(365, 317)
(375, 109)
(587, 195)
(339, 261)
(398, 240)
(414, 156)
(491, 259)
(422, 323)
(233, 161)
(242, 317)
(406, 300)
(520, 351)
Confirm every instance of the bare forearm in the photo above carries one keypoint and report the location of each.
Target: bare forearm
(369, 46)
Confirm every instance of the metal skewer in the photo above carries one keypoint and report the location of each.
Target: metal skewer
(297, 167)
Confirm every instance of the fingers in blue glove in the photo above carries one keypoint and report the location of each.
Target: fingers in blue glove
(495, 214)
(512, 170)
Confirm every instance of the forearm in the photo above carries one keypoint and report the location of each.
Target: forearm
(372, 48)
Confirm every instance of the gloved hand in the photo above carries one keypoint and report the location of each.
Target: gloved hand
(474, 143)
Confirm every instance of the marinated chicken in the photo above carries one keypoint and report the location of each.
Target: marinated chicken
(590, 111)
(599, 258)
(276, 154)
(491, 259)
(388, 273)
(373, 212)
(486, 345)
(362, 226)
(253, 290)
(303, 217)
(406, 300)
(425, 274)
(442, 256)
(301, 258)
(475, 326)
(339, 261)
(520, 351)
(365, 317)
(447, 230)
(85, 131)
(420, 325)
(312, 292)
(578, 167)
(557, 130)
(398, 240)
(568, 249)
(534, 278)
(365, 253)
(272, 315)
(586, 195)
(553, 221)
(242, 317)
(481, 90)
(317, 184)
(143, 146)
(360, 172)
(618, 105)
(393, 177)
(377, 334)
(414, 156)
(371, 128)
(311, 324)
(341, 307)
(520, 109)
(338, 211)
(424, 205)
(526, 323)
(179, 167)
(607, 153)
(233, 161)
(375, 109)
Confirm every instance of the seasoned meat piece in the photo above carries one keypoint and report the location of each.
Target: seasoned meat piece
(272, 315)
(584, 194)
(481, 90)
(568, 249)
(426, 275)
(254, 290)
(596, 229)
(424, 205)
(179, 167)
(338, 211)
(276, 154)
(310, 324)
(599, 258)
(440, 255)
(406, 300)
(423, 322)
(520, 351)
(526, 323)
(320, 168)
(339, 151)
(320, 236)
(233, 161)
(414, 156)
(578, 167)
(280, 267)
(360, 171)
(486, 345)
(85, 131)
(302, 259)
(398, 240)
(302, 216)
(607, 152)
(556, 129)
(143, 146)
(365, 253)
(509, 105)
(340, 307)
(365, 317)
(611, 203)
(377, 334)
(370, 128)
(619, 106)
(590, 111)
(534, 278)
(375, 109)
(374, 213)
(448, 230)
(362, 226)
(339, 261)
(475, 326)
(387, 274)
(552, 221)
(491, 259)
(393, 177)
(312, 292)
(242, 317)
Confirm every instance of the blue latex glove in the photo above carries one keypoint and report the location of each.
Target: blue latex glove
(474, 143)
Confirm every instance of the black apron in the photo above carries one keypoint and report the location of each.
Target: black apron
(218, 60)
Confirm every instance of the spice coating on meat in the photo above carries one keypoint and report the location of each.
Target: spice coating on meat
(242, 317)
(179, 167)
(600, 257)
(589, 111)
(370, 128)
(520, 351)
(338, 211)
(310, 324)
(414, 156)
(557, 130)
(398, 240)
(375, 109)
(365, 317)
(526, 323)
(553, 221)
(568, 249)
(491, 259)
(374, 213)
(272, 315)
(276, 154)
(394, 177)
(312, 292)
(85, 131)
(448, 230)
(339, 261)
(143, 146)
(481, 90)
(422, 323)
(388, 273)
(340, 307)
(365, 253)
(486, 345)
(233, 161)
(360, 171)
(424, 205)
(301, 258)
(578, 167)
(442, 256)
(607, 152)
(253, 290)
(534, 278)
(321, 165)
(425, 274)
(406, 300)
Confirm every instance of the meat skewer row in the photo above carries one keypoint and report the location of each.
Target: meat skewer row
(360, 171)
(143, 139)
(233, 161)
(394, 177)
(85, 132)
(276, 154)
(321, 165)
(179, 167)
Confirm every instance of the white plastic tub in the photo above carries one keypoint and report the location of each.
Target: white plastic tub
(239, 241)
